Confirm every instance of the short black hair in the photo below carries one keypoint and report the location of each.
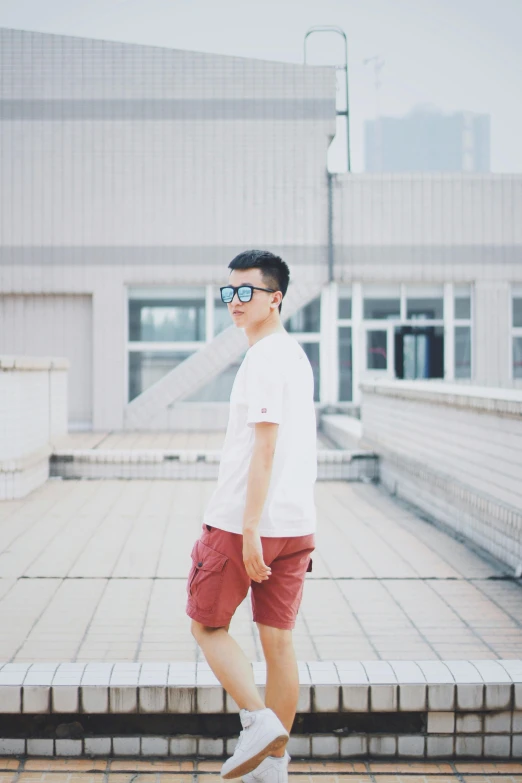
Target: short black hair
(274, 270)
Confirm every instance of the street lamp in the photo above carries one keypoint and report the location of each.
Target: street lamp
(340, 112)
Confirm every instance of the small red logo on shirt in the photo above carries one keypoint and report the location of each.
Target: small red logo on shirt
(263, 410)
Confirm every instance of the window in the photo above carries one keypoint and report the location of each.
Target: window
(148, 367)
(166, 326)
(345, 303)
(376, 350)
(517, 357)
(381, 302)
(345, 364)
(173, 315)
(425, 302)
(312, 351)
(307, 319)
(462, 295)
(517, 332)
(462, 352)
(462, 316)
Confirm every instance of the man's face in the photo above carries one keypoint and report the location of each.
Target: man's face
(262, 304)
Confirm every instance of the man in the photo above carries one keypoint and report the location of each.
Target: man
(258, 528)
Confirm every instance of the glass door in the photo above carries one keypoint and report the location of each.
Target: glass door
(377, 350)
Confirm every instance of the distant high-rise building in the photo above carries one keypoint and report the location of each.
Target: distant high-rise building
(428, 140)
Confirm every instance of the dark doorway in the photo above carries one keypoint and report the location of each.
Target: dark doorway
(419, 352)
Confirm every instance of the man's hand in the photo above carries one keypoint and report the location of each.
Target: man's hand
(253, 556)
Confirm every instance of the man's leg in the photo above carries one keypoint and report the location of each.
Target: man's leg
(282, 682)
(230, 665)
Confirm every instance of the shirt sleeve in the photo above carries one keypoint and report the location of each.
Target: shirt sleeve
(264, 388)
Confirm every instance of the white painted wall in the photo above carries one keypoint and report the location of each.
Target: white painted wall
(56, 325)
(33, 416)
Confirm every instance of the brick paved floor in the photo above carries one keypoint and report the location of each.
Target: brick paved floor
(93, 570)
(39, 770)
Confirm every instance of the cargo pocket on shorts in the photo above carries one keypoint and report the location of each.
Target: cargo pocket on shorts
(206, 576)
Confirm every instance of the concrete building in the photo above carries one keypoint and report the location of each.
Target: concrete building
(426, 139)
(130, 176)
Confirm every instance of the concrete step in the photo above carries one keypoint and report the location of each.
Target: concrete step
(347, 709)
(98, 463)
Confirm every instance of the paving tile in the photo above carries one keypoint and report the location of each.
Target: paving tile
(396, 619)
(7, 764)
(411, 767)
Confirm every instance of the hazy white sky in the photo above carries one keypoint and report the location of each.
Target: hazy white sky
(455, 54)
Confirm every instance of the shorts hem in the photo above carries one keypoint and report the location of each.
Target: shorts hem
(281, 626)
(208, 622)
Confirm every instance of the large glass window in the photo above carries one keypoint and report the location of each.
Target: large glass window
(312, 351)
(462, 352)
(307, 319)
(345, 364)
(517, 357)
(148, 367)
(381, 302)
(376, 349)
(172, 315)
(425, 302)
(345, 303)
(516, 306)
(462, 294)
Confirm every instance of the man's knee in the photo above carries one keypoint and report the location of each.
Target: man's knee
(200, 631)
(276, 641)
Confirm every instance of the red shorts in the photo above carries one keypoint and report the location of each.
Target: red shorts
(218, 581)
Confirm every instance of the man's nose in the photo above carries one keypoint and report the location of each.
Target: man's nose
(236, 295)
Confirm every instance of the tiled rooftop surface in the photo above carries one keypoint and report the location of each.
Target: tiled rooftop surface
(56, 770)
(95, 570)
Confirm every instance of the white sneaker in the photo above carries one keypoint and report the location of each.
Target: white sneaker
(262, 733)
(272, 770)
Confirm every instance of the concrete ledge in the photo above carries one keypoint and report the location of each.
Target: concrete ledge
(332, 464)
(22, 475)
(344, 431)
(33, 363)
(493, 526)
(408, 709)
(507, 402)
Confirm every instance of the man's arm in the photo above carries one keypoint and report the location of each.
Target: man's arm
(259, 474)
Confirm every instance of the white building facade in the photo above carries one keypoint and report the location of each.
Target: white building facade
(130, 176)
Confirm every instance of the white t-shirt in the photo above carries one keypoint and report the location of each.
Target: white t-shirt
(274, 384)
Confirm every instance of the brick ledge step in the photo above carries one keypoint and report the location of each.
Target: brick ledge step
(347, 709)
(332, 464)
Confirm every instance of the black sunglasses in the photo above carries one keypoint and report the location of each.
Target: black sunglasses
(244, 292)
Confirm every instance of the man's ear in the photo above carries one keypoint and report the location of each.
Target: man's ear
(277, 299)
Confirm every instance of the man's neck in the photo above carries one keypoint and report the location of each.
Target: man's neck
(256, 333)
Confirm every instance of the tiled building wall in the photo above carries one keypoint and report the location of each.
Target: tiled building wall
(135, 165)
(438, 228)
(454, 453)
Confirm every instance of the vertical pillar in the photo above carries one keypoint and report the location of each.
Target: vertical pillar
(357, 346)
(209, 313)
(109, 305)
(328, 347)
(491, 332)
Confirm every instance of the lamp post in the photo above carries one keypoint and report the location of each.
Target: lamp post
(340, 112)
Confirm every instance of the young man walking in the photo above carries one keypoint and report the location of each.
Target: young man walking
(258, 528)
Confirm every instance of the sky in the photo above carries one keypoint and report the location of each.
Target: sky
(456, 55)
